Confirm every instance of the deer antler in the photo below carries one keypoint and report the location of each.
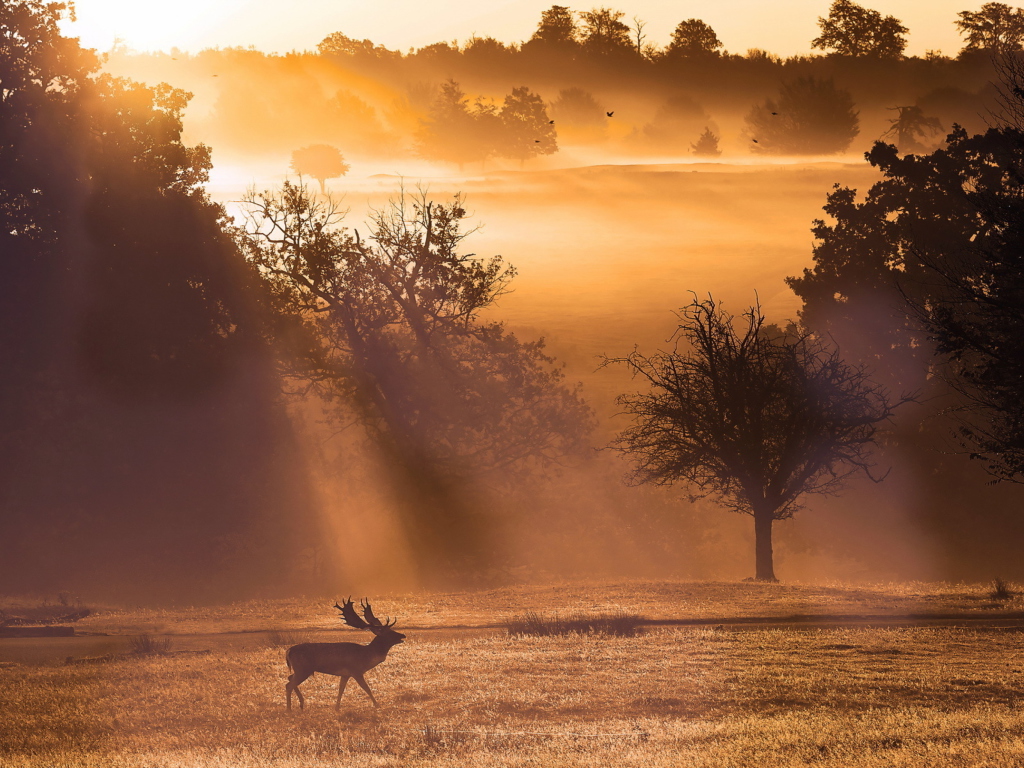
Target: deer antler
(373, 620)
(349, 615)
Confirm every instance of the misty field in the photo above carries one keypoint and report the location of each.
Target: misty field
(729, 695)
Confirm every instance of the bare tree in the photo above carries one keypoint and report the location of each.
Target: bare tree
(750, 414)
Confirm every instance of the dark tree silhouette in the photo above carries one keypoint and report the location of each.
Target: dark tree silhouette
(706, 145)
(557, 30)
(852, 30)
(810, 117)
(911, 127)
(395, 332)
(527, 129)
(692, 38)
(604, 33)
(937, 246)
(751, 415)
(129, 340)
(321, 162)
(996, 28)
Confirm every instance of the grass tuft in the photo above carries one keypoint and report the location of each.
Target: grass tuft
(147, 645)
(618, 623)
(279, 638)
(1001, 590)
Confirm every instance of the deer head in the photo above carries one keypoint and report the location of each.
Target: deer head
(381, 630)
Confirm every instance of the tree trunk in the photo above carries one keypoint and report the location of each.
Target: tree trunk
(764, 560)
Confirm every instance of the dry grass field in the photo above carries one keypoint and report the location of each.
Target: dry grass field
(733, 695)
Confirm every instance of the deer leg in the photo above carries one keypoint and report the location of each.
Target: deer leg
(365, 687)
(293, 683)
(341, 690)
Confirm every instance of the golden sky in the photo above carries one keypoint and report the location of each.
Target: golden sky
(784, 27)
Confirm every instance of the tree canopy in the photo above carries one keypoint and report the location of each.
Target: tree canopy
(930, 259)
(693, 37)
(810, 117)
(996, 28)
(852, 30)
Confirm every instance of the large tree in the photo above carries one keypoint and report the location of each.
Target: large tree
(557, 30)
(131, 441)
(752, 415)
(852, 30)
(391, 327)
(693, 38)
(603, 33)
(527, 131)
(995, 28)
(809, 117)
(930, 259)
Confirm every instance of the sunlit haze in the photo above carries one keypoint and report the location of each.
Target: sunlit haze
(785, 27)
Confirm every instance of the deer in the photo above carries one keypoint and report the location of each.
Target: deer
(342, 660)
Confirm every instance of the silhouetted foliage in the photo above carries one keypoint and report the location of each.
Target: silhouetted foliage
(937, 245)
(396, 336)
(692, 38)
(911, 128)
(996, 28)
(527, 129)
(810, 117)
(557, 30)
(321, 162)
(852, 30)
(456, 131)
(604, 34)
(752, 415)
(126, 321)
(706, 145)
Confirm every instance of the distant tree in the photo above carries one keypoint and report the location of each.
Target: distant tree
(693, 38)
(557, 30)
(577, 107)
(578, 115)
(526, 127)
(752, 415)
(604, 33)
(852, 30)
(707, 145)
(911, 127)
(810, 117)
(394, 331)
(456, 131)
(996, 28)
(340, 45)
(678, 118)
(319, 161)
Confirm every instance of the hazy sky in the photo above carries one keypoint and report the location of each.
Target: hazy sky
(782, 26)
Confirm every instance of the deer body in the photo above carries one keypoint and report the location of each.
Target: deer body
(344, 660)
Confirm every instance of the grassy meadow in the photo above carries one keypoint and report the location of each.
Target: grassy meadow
(729, 695)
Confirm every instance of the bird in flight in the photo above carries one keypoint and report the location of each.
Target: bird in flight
(755, 141)
(609, 113)
(551, 122)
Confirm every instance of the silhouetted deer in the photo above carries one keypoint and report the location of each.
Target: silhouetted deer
(343, 660)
